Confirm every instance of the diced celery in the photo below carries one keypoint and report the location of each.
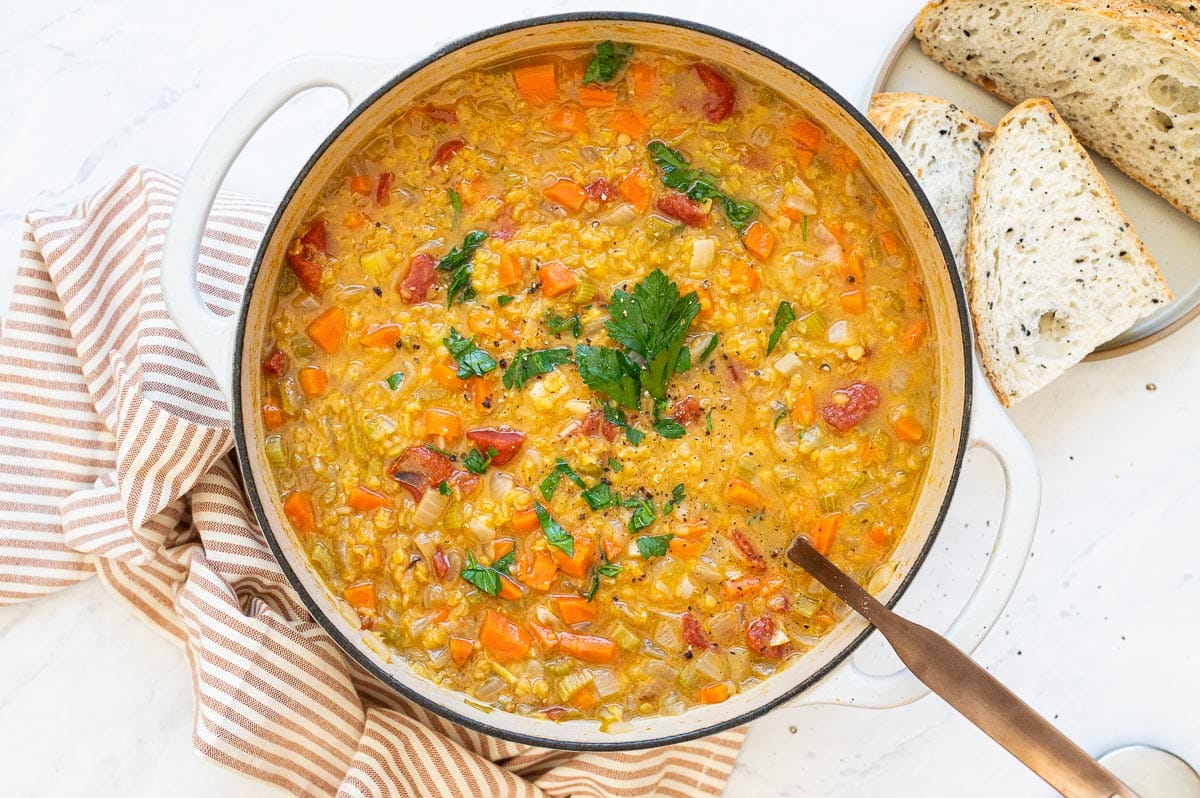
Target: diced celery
(856, 480)
(746, 468)
(805, 606)
(287, 282)
(572, 683)
(376, 263)
(812, 325)
(302, 346)
(290, 398)
(560, 667)
(829, 502)
(453, 518)
(321, 558)
(626, 638)
(276, 453)
(583, 292)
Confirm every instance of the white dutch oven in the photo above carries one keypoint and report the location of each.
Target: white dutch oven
(967, 416)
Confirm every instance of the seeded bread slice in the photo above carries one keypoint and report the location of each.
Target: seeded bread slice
(1124, 75)
(942, 145)
(1055, 269)
(1189, 9)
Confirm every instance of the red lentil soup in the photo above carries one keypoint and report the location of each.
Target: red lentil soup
(567, 353)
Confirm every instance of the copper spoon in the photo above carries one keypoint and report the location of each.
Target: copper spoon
(971, 690)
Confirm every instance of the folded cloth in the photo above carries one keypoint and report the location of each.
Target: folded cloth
(114, 459)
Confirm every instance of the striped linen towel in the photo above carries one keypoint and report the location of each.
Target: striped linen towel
(114, 459)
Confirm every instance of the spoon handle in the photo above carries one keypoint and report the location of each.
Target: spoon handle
(971, 690)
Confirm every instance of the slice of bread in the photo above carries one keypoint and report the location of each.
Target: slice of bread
(1189, 9)
(1055, 267)
(941, 144)
(1124, 75)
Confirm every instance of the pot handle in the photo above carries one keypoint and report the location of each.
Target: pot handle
(990, 429)
(210, 334)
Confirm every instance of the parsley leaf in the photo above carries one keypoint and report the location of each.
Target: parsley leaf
(615, 464)
(477, 462)
(600, 496)
(504, 563)
(615, 415)
(456, 204)
(504, 300)
(678, 494)
(556, 536)
(699, 185)
(561, 469)
(608, 61)
(610, 569)
(442, 452)
(481, 576)
(527, 364)
(709, 348)
(643, 512)
(557, 324)
(669, 428)
(652, 322)
(610, 372)
(593, 587)
(708, 422)
(653, 545)
(395, 380)
(444, 488)
(784, 315)
(458, 262)
(472, 361)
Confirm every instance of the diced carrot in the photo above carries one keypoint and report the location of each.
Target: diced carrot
(526, 520)
(574, 609)
(578, 564)
(540, 572)
(641, 78)
(590, 648)
(913, 336)
(908, 429)
(361, 184)
(844, 159)
(509, 590)
(853, 301)
(771, 583)
(483, 393)
(569, 118)
(878, 534)
(298, 508)
(556, 279)
(743, 275)
(807, 135)
(446, 376)
(759, 240)
(460, 650)
(889, 242)
(706, 302)
(442, 423)
(363, 499)
(502, 546)
(511, 270)
(804, 412)
(714, 693)
(596, 97)
(313, 380)
(825, 617)
(635, 187)
(481, 320)
(503, 639)
(361, 596)
(835, 230)
(912, 290)
(613, 543)
(567, 193)
(272, 415)
(739, 491)
(584, 699)
(628, 122)
(690, 530)
(686, 549)
(740, 588)
(355, 220)
(825, 531)
(380, 336)
(328, 329)
(803, 157)
(441, 615)
(547, 638)
(537, 83)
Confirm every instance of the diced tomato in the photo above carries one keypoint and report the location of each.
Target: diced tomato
(303, 263)
(276, 363)
(434, 113)
(594, 424)
(420, 468)
(504, 229)
(599, 190)
(446, 152)
(383, 190)
(759, 634)
(422, 271)
(466, 482)
(718, 107)
(316, 237)
(687, 410)
(850, 405)
(693, 634)
(441, 563)
(506, 442)
(748, 550)
(681, 207)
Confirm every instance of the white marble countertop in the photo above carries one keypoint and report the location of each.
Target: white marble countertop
(1100, 635)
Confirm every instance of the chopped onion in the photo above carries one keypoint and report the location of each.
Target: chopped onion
(490, 689)
(710, 665)
(684, 590)
(426, 542)
(779, 638)
(500, 484)
(667, 635)
(578, 407)
(804, 204)
(704, 251)
(620, 215)
(479, 528)
(605, 683)
(724, 628)
(839, 333)
(440, 657)
(429, 509)
(790, 364)
(830, 249)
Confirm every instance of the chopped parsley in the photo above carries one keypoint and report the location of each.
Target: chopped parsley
(506, 562)
(527, 364)
(395, 380)
(784, 315)
(477, 462)
(601, 496)
(709, 348)
(643, 513)
(590, 593)
(782, 415)
(699, 185)
(669, 428)
(609, 569)
(561, 469)
(652, 322)
(444, 488)
(708, 422)
(557, 324)
(504, 300)
(456, 204)
(458, 263)
(442, 452)
(607, 63)
(486, 577)
(678, 494)
(472, 361)
(556, 536)
(653, 545)
(615, 464)
(616, 416)
(610, 372)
